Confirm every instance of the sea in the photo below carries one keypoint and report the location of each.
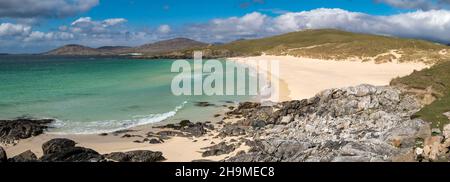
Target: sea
(89, 95)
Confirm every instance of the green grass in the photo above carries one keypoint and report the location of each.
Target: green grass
(438, 79)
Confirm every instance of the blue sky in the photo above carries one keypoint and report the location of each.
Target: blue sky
(46, 24)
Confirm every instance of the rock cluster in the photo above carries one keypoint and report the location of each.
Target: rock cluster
(65, 150)
(13, 130)
(363, 123)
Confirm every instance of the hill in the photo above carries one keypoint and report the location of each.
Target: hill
(147, 49)
(169, 46)
(74, 49)
(339, 45)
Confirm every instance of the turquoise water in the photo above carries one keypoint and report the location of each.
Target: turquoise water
(94, 95)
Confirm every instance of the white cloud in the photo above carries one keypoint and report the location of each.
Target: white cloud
(44, 8)
(431, 25)
(114, 21)
(417, 4)
(164, 29)
(9, 29)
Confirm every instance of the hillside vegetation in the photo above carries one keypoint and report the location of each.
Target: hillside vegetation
(338, 45)
(432, 86)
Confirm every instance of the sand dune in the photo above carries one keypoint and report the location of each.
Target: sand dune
(306, 77)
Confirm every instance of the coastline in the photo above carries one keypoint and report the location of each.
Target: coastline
(319, 75)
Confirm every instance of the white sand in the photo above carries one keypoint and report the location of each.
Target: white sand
(306, 77)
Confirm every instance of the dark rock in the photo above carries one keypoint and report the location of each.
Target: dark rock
(136, 156)
(258, 124)
(131, 136)
(122, 132)
(155, 140)
(217, 115)
(57, 145)
(219, 149)
(3, 157)
(202, 160)
(203, 104)
(13, 130)
(103, 134)
(27, 156)
(168, 134)
(73, 154)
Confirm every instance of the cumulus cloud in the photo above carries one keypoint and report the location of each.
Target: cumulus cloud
(164, 29)
(44, 8)
(417, 4)
(9, 29)
(432, 25)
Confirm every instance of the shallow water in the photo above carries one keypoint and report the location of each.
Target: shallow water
(94, 95)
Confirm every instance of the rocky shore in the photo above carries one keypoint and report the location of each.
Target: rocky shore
(355, 124)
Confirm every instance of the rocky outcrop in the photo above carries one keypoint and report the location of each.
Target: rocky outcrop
(136, 156)
(356, 124)
(13, 130)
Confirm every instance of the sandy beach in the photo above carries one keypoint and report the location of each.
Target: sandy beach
(302, 78)
(299, 78)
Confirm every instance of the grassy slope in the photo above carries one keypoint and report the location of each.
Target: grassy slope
(438, 79)
(335, 44)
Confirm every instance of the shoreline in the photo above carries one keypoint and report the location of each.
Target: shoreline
(319, 75)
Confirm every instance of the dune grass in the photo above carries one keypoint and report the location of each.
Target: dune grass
(336, 44)
(438, 79)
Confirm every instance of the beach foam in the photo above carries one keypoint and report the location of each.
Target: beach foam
(97, 127)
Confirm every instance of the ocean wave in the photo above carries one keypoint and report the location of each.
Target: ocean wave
(61, 127)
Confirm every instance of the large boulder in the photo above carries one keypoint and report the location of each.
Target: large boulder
(26, 156)
(136, 156)
(3, 157)
(13, 130)
(57, 145)
(73, 154)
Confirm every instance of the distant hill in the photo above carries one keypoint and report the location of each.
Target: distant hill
(147, 49)
(169, 46)
(74, 49)
(329, 44)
